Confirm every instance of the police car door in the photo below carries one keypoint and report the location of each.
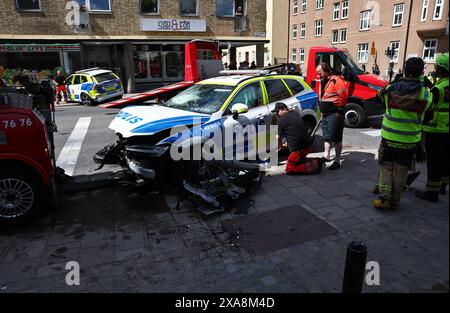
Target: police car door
(246, 125)
(75, 88)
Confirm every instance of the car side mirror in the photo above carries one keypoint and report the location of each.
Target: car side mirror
(238, 108)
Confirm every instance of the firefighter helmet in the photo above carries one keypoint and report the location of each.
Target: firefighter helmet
(414, 67)
(442, 61)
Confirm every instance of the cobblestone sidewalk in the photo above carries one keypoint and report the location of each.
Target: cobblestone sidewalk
(130, 243)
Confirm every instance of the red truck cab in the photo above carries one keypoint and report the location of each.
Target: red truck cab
(362, 87)
(26, 166)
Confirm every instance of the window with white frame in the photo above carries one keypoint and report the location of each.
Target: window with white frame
(100, 6)
(303, 6)
(319, 4)
(295, 7)
(28, 5)
(438, 8)
(343, 35)
(429, 49)
(294, 31)
(423, 15)
(318, 25)
(189, 7)
(149, 6)
(344, 14)
(335, 36)
(336, 11)
(398, 14)
(294, 55)
(302, 55)
(364, 21)
(395, 46)
(302, 30)
(363, 53)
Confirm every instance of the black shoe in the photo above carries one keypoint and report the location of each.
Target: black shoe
(335, 166)
(443, 190)
(428, 195)
(325, 160)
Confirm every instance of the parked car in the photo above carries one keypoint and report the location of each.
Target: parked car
(93, 86)
(144, 132)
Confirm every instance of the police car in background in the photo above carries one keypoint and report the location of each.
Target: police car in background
(92, 86)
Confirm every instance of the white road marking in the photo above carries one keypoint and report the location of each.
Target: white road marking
(373, 133)
(69, 154)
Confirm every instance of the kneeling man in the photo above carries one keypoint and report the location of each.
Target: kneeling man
(291, 128)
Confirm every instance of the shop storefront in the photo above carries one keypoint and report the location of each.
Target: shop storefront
(40, 59)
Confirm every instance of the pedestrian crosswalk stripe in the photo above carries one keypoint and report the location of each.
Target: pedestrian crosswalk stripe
(68, 157)
(373, 133)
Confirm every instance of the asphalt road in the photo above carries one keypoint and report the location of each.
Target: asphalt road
(99, 135)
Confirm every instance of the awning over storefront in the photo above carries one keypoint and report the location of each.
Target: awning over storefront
(30, 48)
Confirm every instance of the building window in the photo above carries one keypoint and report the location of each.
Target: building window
(295, 7)
(189, 7)
(303, 6)
(364, 22)
(344, 35)
(302, 55)
(423, 16)
(28, 5)
(363, 53)
(318, 27)
(99, 6)
(438, 8)
(429, 49)
(294, 31)
(149, 6)
(395, 46)
(398, 15)
(225, 8)
(294, 55)
(319, 4)
(344, 10)
(336, 11)
(302, 30)
(335, 36)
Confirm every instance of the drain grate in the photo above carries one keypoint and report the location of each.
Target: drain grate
(277, 229)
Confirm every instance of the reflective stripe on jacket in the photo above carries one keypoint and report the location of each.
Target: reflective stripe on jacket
(439, 123)
(406, 102)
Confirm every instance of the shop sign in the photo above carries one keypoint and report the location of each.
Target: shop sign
(18, 49)
(172, 25)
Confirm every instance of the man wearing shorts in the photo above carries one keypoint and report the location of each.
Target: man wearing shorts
(334, 97)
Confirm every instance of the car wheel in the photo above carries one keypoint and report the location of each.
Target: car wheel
(354, 115)
(21, 196)
(86, 100)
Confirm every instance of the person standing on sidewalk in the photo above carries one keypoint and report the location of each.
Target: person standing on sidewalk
(291, 127)
(334, 96)
(437, 136)
(406, 102)
(60, 81)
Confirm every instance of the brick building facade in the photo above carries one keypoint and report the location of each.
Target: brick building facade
(411, 27)
(142, 40)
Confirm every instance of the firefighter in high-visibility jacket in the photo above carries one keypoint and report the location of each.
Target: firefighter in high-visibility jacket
(437, 137)
(407, 101)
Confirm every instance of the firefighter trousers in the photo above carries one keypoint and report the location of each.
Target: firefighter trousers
(437, 160)
(299, 164)
(394, 163)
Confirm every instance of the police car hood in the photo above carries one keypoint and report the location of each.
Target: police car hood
(149, 120)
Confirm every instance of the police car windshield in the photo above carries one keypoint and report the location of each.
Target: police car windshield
(105, 77)
(206, 99)
(351, 63)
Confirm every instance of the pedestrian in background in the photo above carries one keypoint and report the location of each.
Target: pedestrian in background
(406, 102)
(60, 81)
(334, 96)
(437, 136)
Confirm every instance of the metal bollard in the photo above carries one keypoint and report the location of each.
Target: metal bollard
(355, 266)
